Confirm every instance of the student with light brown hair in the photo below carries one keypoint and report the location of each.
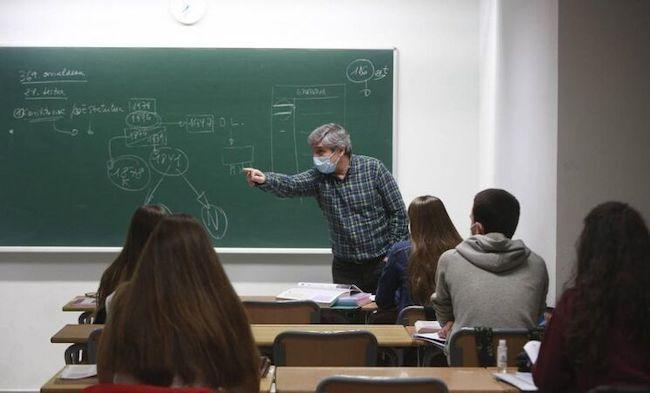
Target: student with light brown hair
(409, 276)
(144, 220)
(179, 322)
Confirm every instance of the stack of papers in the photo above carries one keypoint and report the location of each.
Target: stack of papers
(427, 326)
(522, 381)
(78, 371)
(355, 300)
(431, 337)
(85, 301)
(318, 292)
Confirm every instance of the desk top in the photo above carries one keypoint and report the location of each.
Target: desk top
(57, 385)
(387, 335)
(85, 303)
(458, 379)
(81, 303)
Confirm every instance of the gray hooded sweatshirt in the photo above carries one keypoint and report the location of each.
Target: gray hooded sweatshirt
(490, 280)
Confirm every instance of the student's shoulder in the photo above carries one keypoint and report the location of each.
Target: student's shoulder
(449, 257)
(537, 262)
(368, 161)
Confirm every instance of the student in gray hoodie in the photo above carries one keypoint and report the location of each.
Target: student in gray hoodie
(489, 279)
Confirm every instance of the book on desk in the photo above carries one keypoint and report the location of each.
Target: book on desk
(331, 294)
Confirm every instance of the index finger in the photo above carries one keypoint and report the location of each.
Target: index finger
(248, 171)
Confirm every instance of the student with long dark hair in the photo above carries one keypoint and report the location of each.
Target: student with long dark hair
(144, 220)
(179, 322)
(599, 333)
(409, 276)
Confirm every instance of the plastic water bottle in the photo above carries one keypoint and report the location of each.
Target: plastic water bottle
(502, 357)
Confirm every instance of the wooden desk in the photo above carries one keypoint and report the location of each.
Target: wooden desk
(56, 385)
(82, 304)
(88, 304)
(458, 380)
(387, 335)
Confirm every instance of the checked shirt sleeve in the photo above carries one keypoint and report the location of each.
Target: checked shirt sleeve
(287, 186)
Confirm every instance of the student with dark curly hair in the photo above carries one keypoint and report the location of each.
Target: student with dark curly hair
(599, 333)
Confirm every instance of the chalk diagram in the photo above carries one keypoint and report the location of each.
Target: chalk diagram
(144, 128)
(295, 111)
(361, 71)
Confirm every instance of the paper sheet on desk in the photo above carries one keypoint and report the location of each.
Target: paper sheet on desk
(433, 337)
(522, 381)
(78, 371)
(427, 326)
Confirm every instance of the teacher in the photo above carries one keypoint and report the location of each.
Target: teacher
(359, 198)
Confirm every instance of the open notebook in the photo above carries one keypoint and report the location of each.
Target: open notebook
(319, 292)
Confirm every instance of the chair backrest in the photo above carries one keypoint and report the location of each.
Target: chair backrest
(282, 312)
(93, 345)
(463, 351)
(410, 314)
(334, 349)
(86, 317)
(346, 384)
(76, 354)
(118, 388)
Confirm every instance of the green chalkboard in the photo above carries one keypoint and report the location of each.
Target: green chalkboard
(89, 134)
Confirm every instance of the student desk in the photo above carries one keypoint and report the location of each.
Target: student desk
(458, 380)
(56, 385)
(87, 305)
(387, 335)
(82, 304)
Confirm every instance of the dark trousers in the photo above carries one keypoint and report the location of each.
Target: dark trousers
(364, 274)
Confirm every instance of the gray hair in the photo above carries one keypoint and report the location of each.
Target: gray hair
(332, 136)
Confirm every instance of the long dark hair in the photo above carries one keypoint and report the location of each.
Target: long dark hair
(613, 273)
(432, 233)
(179, 316)
(144, 220)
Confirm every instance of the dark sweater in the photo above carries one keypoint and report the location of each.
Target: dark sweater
(393, 288)
(628, 363)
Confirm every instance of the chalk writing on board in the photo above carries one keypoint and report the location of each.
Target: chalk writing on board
(144, 127)
(295, 111)
(362, 71)
(44, 93)
(64, 75)
(46, 113)
(128, 172)
(236, 158)
(199, 124)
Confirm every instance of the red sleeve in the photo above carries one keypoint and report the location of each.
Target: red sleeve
(553, 371)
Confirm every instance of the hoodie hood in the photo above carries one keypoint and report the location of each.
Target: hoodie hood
(493, 252)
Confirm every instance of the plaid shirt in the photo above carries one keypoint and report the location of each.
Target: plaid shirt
(365, 210)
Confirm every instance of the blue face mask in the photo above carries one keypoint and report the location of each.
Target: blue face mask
(325, 164)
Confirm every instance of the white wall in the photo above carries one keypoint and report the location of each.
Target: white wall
(437, 121)
(518, 108)
(604, 113)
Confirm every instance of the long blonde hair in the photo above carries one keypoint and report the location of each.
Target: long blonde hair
(432, 233)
